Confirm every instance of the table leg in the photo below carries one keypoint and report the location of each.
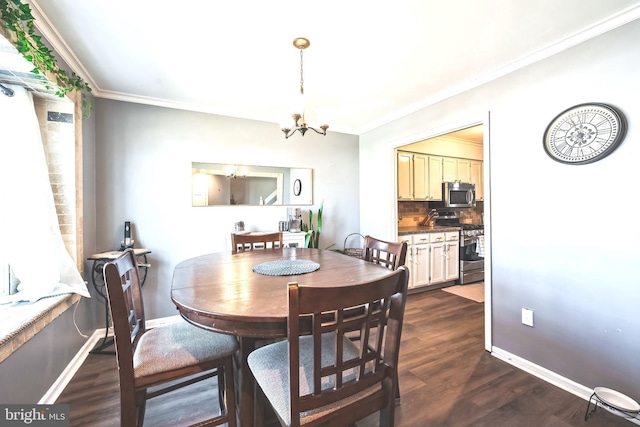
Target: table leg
(246, 385)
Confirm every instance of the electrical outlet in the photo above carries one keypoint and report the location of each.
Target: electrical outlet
(527, 317)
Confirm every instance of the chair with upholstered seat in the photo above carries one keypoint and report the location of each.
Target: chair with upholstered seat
(319, 377)
(153, 358)
(388, 254)
(391, 255)
(249, 242)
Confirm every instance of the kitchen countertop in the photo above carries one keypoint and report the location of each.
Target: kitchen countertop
(419, 229)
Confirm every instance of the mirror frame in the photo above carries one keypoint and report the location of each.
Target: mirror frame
(212, 184)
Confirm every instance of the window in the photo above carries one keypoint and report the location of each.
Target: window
(41, 181)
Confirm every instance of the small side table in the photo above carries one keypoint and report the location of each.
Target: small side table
(97, 280)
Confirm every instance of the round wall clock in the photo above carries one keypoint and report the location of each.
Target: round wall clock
(584, 133)
(297, 187)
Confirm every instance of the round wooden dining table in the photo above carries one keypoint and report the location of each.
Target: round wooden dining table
(221, 292)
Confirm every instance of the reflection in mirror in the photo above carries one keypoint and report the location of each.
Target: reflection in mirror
(215, 184)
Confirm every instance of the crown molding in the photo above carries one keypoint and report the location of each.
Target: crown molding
(598, 28)
(58, 44)
(446, 138)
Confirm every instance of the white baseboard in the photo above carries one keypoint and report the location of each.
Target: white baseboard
(548, 376)
(67, 374)
(59, 385)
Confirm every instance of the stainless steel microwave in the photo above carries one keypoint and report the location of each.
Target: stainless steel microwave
(459, 194)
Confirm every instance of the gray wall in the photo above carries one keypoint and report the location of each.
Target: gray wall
(29, 372)
(143, 175)
(573, 263)
(568, 249)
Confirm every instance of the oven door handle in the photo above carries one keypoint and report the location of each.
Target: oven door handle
(469, 240)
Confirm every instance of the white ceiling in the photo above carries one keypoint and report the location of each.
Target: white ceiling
(370, 61)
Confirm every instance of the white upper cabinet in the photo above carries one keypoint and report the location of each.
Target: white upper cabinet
(435, 178)
(477, 178)
(464, 170)
(405, 176)
(449, 169)
(419, 177)
(454, 169)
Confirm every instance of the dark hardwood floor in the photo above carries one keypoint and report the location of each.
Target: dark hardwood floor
(446, 379)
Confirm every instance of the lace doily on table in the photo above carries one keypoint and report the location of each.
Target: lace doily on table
(286, 267)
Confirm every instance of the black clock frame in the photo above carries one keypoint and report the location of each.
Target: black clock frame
(297, 187)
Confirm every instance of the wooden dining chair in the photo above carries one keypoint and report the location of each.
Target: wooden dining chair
(152, 358)
(391, 255)
(388, 254)
(249, 242)
(319, 377)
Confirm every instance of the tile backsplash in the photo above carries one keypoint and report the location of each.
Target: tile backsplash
(411, 213)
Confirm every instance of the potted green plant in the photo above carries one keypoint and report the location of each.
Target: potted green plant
(312, 237)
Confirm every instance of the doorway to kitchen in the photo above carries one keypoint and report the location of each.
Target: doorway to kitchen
(462, 154)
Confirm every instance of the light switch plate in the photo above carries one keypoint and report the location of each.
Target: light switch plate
(527, 317)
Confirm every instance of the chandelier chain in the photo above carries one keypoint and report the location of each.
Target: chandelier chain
(301, 78)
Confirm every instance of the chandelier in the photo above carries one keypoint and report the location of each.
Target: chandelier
(233, 172)
(299, 122)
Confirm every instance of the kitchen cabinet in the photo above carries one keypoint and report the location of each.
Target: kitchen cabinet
(420, 267)
(464, 170)
(449, 169)
(436, 258)
(477, 178)
(444, 257)
(409, 260)
(419, 176)
(432, 258)
(405, 176)
(452, 258)
(435, 178)
(417, 259)
(454, 169)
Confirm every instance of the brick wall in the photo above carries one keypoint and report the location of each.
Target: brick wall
(58, 130)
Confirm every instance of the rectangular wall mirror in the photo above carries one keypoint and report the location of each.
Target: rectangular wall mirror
(219, 184)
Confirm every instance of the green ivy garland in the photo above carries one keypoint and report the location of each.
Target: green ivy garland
(17, 19)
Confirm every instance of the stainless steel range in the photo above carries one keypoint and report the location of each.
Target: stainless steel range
(471, 247)
(471, 254)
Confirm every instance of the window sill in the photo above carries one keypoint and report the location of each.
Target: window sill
(21, 323)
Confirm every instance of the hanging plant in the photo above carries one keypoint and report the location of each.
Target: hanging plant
(17, 19)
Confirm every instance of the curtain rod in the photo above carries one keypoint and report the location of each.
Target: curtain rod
(6, 90)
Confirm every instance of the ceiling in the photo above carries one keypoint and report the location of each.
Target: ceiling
(370, 61)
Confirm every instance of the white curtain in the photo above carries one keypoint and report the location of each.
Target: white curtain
(30, 238)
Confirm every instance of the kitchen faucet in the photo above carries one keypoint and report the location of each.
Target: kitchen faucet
(431, 215)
